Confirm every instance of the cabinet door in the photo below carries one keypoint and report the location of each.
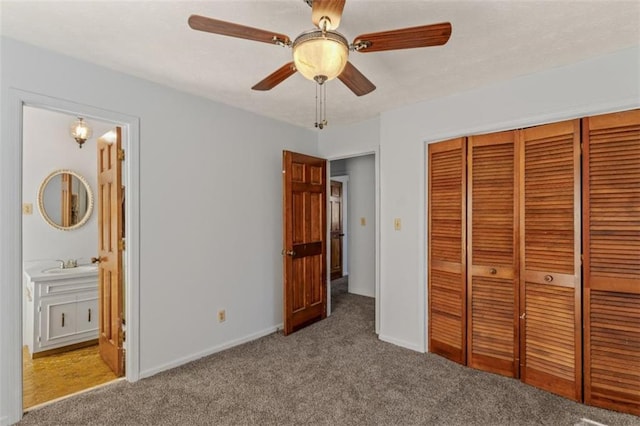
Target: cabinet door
(87, 315)
(447, 249)
(492, 275)
(550, 299)
(57, 321)
(611, 246)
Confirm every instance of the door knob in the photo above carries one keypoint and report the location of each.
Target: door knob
(97, 259)
(548, 278)
(288, 252)
(493, 271)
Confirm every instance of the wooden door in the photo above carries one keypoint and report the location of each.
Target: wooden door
(611, 249)
(335, 209)
(550, 296)
(492, 239)
(110, 247)
(304, 240)
(447, 249)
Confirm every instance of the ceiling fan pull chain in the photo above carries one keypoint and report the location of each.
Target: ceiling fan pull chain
(317, 118)
(324, 109)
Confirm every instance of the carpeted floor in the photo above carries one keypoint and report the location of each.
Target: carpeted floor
(335, 372)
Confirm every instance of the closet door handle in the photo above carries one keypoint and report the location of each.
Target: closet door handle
(63, 319)
(493, 271)
(548, 278)
(89, 316)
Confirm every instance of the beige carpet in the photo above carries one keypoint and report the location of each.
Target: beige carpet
(335, 372)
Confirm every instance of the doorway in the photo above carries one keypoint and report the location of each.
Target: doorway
(11, 262)
(357, 178)
(60, 234)
(59, 228)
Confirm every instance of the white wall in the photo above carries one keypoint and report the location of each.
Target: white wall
(210, 206)
(361, 241)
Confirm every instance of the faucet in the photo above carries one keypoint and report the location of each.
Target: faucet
(71, 263)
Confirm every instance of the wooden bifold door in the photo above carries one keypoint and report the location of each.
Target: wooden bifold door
(611, 247)
(515, 219)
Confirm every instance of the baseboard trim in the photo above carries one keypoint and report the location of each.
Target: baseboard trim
(184, 360)
(401, 343)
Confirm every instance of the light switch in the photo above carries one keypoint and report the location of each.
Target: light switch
(397, 224)
(27, 208)
(363, 221)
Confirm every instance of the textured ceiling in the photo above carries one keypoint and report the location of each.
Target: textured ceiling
(491, 41)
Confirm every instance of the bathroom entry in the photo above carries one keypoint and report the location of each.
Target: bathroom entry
(61, 368)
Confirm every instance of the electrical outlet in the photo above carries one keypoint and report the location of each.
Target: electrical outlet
(27, 208)
(222, 315)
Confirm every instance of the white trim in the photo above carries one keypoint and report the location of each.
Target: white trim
(537, 120)
(401, 343)
(11, 238)
(215, 349)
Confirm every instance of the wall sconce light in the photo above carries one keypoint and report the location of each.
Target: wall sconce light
(80, 131)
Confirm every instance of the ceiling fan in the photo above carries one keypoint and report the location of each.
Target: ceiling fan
(321, 54)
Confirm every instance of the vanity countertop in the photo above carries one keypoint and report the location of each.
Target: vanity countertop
(51, 271)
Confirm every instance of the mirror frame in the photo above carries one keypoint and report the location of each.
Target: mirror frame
(43, 212)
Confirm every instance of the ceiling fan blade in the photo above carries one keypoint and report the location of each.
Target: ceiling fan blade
(405, 38)
(277, 77)
(215, 26)
(356, 81)
(329, 8)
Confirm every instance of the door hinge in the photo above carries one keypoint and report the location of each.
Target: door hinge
(121, 245)
(121, 154)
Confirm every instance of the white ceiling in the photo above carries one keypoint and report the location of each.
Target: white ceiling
(491, 41)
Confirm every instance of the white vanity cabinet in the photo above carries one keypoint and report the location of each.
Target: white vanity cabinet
(61, 307)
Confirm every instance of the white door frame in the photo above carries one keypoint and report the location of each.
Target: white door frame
(11, 240)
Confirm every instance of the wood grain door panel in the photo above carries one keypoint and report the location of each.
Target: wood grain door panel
(447, 249)
(110, 247)
(611, 247)
(550, 296)
(492, 238)
(304, 235)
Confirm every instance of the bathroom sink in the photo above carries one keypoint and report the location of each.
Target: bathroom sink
(76, 270)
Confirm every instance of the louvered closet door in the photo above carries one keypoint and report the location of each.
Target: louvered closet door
(492, 275)
(446, 268)
(611, 239)
(550, 302)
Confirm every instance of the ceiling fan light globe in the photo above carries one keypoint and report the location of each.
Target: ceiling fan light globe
(320, 54)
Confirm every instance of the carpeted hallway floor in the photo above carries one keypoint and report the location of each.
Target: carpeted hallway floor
(335, 372)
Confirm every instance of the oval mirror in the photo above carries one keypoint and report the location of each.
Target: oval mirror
(65, 200)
